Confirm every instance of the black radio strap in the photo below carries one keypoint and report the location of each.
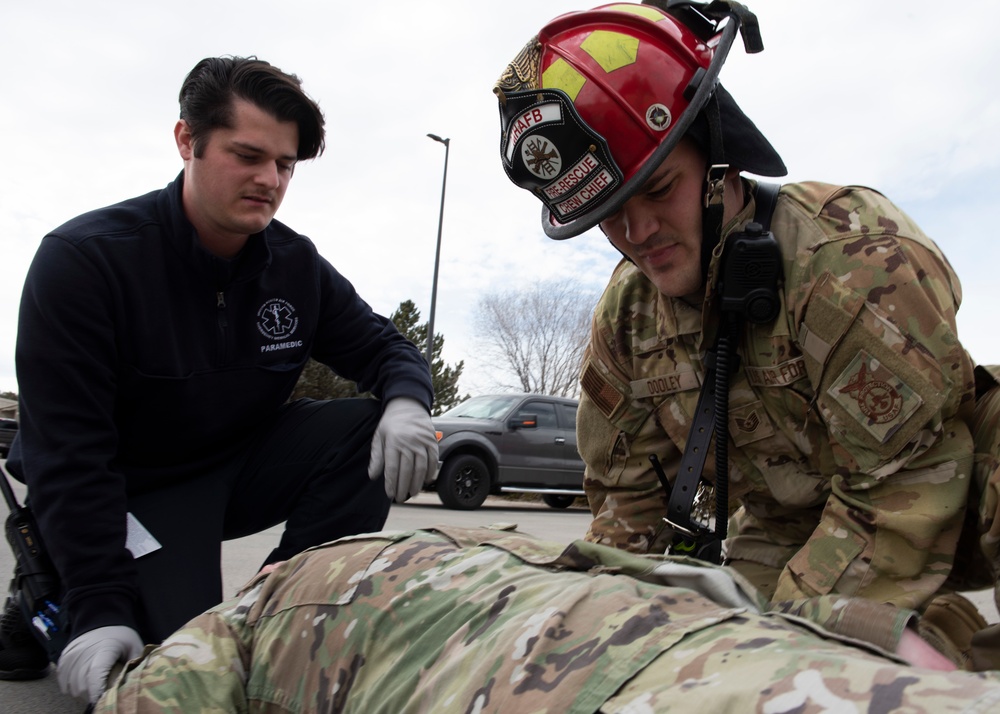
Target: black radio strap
(711, 416)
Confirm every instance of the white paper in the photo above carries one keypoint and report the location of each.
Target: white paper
(138, 540)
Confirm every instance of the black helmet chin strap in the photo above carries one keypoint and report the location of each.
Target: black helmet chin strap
(715, 181)
(746, 21)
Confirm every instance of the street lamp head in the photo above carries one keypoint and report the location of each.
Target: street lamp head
(438, 138)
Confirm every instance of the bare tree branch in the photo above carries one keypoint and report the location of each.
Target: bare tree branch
(536, 337)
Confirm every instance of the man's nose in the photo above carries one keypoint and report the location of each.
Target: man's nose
(640, 223)
(268, 175)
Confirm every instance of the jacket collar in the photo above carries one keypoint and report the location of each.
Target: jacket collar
(248, 263)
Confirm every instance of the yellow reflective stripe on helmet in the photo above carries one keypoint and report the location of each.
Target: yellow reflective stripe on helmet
(646, 12)
(611, 50)
(561, 75)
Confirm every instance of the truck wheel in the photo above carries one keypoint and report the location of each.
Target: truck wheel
(558, 500)
(464, 482)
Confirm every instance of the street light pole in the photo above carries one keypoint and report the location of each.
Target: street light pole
(437, 253)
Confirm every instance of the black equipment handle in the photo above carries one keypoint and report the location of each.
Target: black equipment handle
(36, 589)
(8, 492)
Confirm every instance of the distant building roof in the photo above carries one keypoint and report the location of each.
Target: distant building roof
(8, 408)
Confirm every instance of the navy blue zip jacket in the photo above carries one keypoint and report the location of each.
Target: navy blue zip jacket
(142, 358)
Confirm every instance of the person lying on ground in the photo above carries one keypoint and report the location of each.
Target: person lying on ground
(493, 620)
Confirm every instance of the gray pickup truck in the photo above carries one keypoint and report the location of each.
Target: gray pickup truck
(508, 443)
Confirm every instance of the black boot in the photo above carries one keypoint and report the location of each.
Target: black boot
(21, 655)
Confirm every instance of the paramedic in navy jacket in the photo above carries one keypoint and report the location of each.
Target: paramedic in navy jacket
(158, 343)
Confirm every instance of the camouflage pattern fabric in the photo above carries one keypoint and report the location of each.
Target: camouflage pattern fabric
(850, 448)
(986, 484)
(479, 620)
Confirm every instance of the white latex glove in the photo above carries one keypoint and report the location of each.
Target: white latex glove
(404, 447)
(87, 660)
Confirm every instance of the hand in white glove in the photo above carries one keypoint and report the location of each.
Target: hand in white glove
(87, 660)
(404, 447)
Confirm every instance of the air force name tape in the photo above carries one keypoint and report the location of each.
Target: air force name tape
(548, 150)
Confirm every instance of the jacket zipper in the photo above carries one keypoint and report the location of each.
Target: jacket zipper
(220, 303)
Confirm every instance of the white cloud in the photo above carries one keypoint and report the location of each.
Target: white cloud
(895, 94)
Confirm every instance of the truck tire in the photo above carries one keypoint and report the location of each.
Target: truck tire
(464, 482)
(558, 500)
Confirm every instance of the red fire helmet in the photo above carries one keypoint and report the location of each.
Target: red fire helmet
(593, 104)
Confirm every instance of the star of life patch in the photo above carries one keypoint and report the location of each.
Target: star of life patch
(875, 397)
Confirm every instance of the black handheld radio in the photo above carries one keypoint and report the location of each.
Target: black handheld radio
(750, 273)
(36, 589)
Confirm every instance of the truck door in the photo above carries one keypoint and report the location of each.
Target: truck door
(536, 454)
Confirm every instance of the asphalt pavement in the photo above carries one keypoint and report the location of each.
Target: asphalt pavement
(242, 558)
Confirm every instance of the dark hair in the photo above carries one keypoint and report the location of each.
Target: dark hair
(207, 94)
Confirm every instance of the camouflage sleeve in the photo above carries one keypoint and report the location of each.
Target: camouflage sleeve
(855, 618)
(979, 549)
(206, 662)
(616, 435)
(625, 497)
(875, 303)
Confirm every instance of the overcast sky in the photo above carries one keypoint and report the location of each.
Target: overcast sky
(900, 95)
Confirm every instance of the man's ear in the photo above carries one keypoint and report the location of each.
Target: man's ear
(185, 142)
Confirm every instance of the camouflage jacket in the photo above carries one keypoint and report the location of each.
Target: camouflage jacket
(480, 620)
(850, 452)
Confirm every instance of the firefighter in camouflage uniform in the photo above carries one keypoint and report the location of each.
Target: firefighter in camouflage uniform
(846, 436)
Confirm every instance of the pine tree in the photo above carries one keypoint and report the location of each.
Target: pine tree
(319, 382)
